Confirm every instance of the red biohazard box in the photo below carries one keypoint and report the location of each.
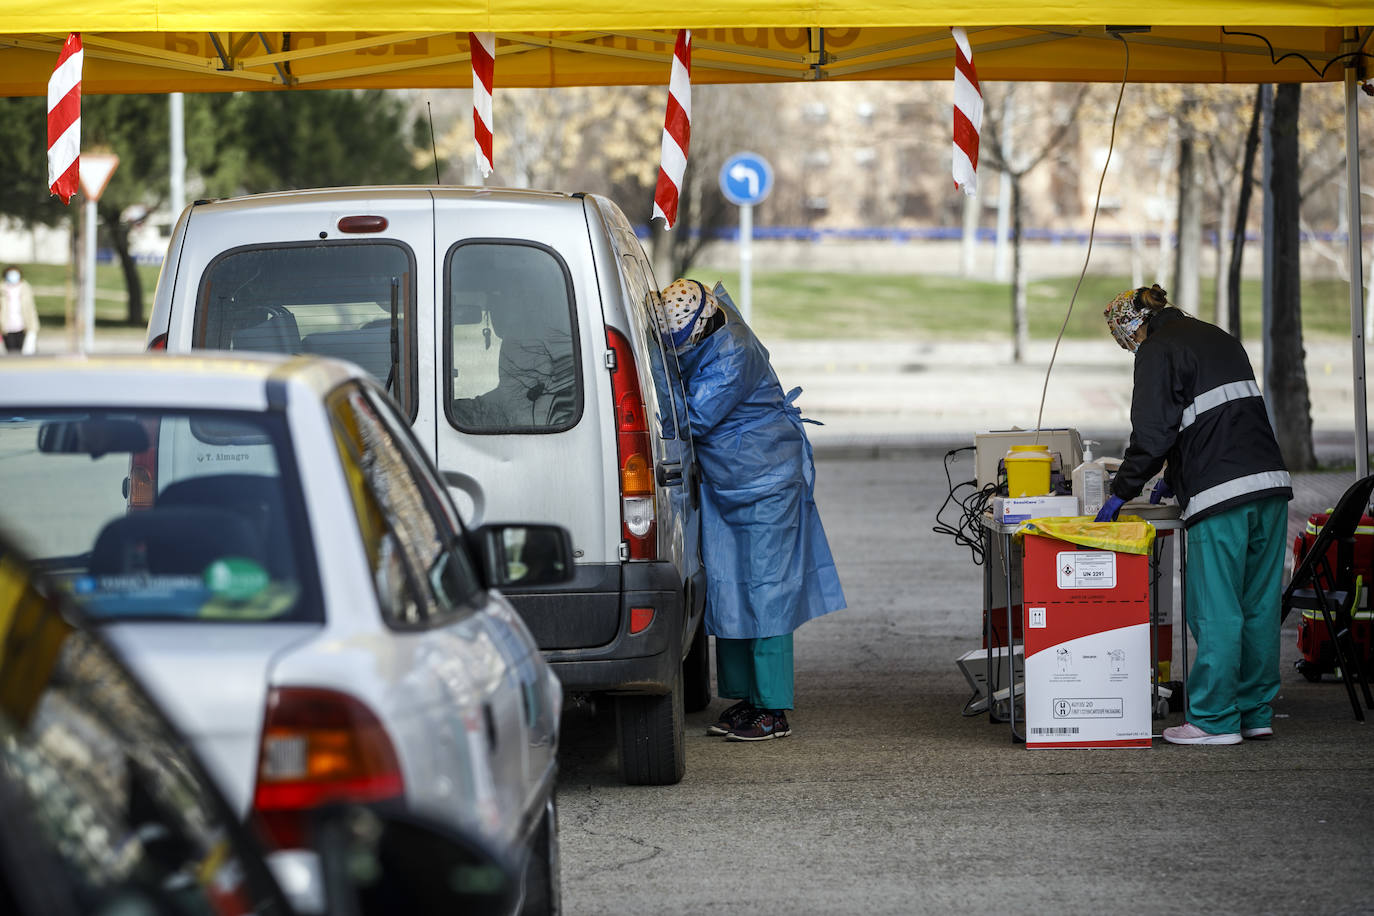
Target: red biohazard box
(1087, 636)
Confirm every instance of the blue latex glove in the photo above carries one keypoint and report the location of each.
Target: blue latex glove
(1161, 491)
(1109, 509)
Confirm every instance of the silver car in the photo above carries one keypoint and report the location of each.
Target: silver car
(269, 548)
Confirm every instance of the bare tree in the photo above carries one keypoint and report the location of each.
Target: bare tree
(1016, 163)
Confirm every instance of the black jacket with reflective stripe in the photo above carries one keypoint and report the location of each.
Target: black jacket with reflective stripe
(1196, 405)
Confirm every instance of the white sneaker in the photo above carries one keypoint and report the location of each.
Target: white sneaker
(1188, 733)
(1263, 733)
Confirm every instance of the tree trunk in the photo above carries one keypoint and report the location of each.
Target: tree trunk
(133, 283)
(1020, 333)
(1221, 295)
(968, 249)
(661, 252)
(1285, 371)
(1189, 229)
(1247, 168)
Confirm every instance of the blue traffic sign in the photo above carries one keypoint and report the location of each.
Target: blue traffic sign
(746, 178)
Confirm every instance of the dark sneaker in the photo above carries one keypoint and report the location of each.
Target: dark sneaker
(762, 725)
(732, 717)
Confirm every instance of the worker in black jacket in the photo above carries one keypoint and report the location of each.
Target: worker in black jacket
(1197, 407)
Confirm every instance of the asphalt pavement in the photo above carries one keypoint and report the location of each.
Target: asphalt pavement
(887, 799)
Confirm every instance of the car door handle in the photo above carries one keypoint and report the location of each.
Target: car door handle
(668, 472)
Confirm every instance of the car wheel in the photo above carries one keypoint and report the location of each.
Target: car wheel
(652, 741)
(543, 889)
(696, 673)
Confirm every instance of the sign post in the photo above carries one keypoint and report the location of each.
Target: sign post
(96, 169)
(745, 180)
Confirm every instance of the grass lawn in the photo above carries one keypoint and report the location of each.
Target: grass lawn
(823, 305)
(819, 306)
(53, 283)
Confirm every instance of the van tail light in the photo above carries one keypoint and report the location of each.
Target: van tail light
(141, 490)
(634, 457)
(158, 343)
(319, 746)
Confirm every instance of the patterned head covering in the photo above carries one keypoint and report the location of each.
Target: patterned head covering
(687, 305)
(1124, 317)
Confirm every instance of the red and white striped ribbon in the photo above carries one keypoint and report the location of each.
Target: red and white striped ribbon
(677, 131)
(482, 47)
(64, 120)
(968, 115)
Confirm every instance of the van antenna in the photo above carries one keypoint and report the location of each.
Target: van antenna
(434, 148)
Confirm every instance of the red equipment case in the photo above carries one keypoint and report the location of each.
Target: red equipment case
(1314, 642)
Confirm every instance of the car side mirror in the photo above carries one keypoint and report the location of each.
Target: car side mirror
(382, 862)
(524, 555)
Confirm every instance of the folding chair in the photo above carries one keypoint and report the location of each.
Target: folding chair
(1320, 585)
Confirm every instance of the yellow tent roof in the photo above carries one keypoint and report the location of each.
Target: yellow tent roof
(192, 45)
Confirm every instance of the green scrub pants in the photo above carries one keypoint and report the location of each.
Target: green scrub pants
(757, 670)
(1235, 567)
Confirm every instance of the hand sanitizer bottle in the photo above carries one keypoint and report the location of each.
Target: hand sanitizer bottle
(1090, 482)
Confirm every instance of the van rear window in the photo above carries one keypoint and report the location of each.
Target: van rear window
(350, 300)
(511, 354)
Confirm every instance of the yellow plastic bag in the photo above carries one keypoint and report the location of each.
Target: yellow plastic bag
(1131, 534)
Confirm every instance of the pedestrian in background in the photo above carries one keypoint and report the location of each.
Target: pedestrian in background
(18, 313)
(768, 564)
(1196, 405)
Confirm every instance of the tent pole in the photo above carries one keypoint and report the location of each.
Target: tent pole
(1354, 246)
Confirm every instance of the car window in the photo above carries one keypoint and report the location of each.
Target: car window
(107, 792)
(511, 347)
(147, 514)
(423, 575)
(353, 300)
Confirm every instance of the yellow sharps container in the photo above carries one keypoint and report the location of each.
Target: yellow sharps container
(1028, 470)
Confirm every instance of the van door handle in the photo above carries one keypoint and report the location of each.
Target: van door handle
(668, 473)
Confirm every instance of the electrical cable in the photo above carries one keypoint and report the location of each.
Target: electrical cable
(1321, 74)
(1092, 231)
(968, 531)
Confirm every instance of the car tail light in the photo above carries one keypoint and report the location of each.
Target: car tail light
(362, 224)
(142, 488)
(635, 460)
(640, 618)
(319, 746)
(158, 343)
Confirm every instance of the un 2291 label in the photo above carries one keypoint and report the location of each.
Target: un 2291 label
(1086, 569)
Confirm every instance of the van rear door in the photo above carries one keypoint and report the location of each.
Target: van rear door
(523, 403)
(335, 273)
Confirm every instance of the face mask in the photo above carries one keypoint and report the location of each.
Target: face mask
(11, 276)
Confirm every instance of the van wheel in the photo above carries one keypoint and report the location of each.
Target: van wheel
(696, 673)
(652, 743)
(543, 891)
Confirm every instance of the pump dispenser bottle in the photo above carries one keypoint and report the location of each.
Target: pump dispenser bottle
(1090, 482)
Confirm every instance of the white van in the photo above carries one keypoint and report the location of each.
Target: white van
(516, 330)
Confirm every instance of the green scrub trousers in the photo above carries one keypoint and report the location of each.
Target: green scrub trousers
(757, 670)
(1235, 568)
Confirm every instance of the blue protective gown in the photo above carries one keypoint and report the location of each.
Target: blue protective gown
(768, 564)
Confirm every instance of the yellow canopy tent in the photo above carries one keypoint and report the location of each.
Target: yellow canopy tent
(155, 46)
(194, 46)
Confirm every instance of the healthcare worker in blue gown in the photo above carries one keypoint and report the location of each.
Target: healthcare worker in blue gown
(768, 565)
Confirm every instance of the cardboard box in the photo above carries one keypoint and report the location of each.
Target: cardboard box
(1008, 510)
